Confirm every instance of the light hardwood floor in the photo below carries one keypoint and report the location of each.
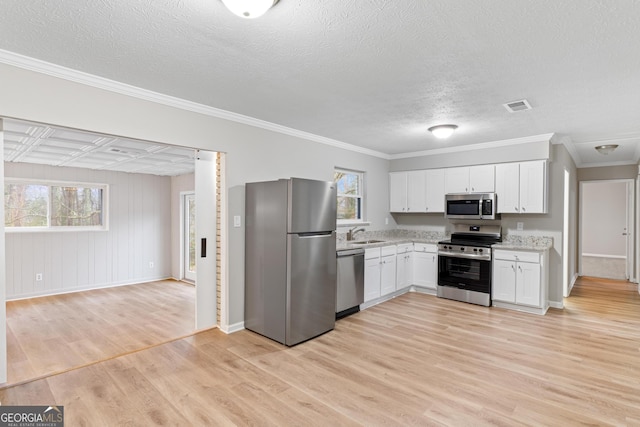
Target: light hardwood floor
(414, 360)
(55, 333)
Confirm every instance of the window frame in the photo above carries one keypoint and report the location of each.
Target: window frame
(54, 183)
(361, 196)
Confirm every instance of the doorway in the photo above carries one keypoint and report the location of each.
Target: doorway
(189, 235)
(607, 229)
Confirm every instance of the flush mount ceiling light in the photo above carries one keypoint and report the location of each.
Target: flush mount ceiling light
(249, 9)
(606, 149)
(443, 131)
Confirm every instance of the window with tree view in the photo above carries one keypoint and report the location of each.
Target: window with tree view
(50, 206)
(350, 195)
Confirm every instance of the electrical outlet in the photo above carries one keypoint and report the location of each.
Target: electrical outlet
(236, 221)
(150, 264)
(386, 221)
(38, 277)
(520, 226)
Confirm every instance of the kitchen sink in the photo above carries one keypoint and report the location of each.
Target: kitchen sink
(366, 242)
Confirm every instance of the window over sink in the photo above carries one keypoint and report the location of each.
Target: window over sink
(350, 188)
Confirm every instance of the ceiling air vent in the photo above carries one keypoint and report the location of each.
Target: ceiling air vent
(515, 106)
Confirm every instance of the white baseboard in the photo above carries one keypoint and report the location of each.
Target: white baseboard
(422, 290)
(229, 329)
(46, 293)
(556, 304)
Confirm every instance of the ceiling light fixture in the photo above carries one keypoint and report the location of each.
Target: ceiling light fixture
(443, 131)
(606, 149)
(249, 9)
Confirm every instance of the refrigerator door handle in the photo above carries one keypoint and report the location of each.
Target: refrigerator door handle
(315, 234)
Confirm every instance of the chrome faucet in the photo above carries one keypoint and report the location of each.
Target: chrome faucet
(353, 231)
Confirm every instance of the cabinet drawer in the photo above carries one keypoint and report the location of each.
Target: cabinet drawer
(372, 253)
(517, 256)
(425, 247)
(403, 248)
(388, 250)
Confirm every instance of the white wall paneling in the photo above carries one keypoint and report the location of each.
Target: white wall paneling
(139, 233)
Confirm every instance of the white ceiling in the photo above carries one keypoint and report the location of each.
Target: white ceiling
(374, 73)
(34, 143)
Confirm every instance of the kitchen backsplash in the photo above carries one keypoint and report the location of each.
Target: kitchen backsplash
(515, 239)
(341, 236)
(521, 240)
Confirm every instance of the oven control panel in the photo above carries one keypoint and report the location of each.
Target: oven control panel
(464, 251)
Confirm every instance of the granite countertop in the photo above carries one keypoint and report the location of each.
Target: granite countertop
(530, 243)
(345, 245)
(389, 237)
(396, 237)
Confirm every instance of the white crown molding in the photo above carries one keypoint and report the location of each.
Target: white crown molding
(572, 148)
(32, 64)
(603, 164)
(483, 145)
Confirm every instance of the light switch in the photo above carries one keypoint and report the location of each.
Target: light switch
(236, 221)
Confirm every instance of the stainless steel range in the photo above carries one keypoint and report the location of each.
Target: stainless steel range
(464, 263)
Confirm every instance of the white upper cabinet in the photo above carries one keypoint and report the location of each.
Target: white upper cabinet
(456, 180)
(416, 191)
(435, 190)
(482, 179)
(522, 187)
(508, 187)
(420, 191)
(533, 187)
(471, 179)
(398, 191)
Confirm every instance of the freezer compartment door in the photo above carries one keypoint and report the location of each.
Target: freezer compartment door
(311, 286)
(312, 205)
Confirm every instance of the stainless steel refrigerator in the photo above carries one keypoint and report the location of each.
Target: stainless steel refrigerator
(290, 259)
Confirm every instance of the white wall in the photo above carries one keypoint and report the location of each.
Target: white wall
(252, 154)
(139, 224)
(604, 218)
(182, 183)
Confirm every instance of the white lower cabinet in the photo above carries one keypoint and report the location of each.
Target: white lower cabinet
(520, 280)
(425, 265)
(371, 274)
(379, 272)
(387, 270)
(404, 266)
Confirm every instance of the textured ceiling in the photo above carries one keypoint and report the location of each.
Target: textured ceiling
(373, 73)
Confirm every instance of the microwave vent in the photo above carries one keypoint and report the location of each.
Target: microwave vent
(515, 106)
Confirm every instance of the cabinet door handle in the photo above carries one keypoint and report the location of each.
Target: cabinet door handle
(519, 268)
(513, 267)
(466, 189)
(516, 209)
(523, 209)
(473, 189)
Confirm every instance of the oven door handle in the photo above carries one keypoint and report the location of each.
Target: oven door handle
(464, 255)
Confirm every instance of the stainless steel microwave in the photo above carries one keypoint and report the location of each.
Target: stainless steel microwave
(471, 206)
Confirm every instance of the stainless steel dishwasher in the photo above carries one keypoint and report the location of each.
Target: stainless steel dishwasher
(350, 292)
